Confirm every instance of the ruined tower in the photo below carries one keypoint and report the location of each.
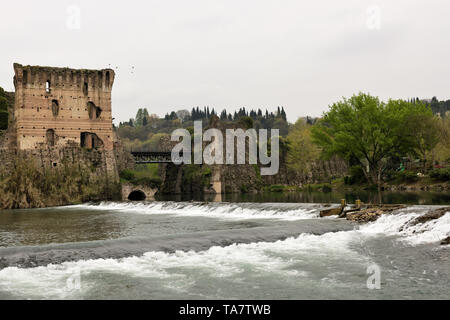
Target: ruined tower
(55, 106)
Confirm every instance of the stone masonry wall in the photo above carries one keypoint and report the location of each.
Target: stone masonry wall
(56, 105)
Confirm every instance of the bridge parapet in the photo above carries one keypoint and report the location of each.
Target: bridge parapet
(143, 157)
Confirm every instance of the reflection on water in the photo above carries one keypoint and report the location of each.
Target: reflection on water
(55, 225)
(387, 197)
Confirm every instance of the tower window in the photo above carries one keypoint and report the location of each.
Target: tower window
(93, 110)
(55, 107)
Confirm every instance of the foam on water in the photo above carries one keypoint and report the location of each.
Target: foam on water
(50, 282)
(397, 223)
(213, 210)
(400, 224)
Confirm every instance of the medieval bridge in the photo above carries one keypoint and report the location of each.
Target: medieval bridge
(138, 193)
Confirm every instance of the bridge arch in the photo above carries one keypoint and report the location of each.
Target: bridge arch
(137, 195)
(134, 192)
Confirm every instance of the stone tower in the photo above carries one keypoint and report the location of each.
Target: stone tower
(55, 106)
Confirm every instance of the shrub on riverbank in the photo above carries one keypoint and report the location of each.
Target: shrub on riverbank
(323, 187)
(406, 177)
(281, 188)
(442, 174)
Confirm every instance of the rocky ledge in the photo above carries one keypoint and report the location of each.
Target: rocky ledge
(431, 215)
(372, 212)
(368, 213)
(446, 241)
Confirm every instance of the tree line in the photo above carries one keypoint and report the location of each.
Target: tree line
(146, 130)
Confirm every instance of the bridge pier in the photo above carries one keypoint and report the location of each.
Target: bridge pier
(216, 179)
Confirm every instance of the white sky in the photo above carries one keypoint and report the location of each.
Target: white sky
(302, 55)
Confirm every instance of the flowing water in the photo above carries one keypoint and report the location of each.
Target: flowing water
(237, 250)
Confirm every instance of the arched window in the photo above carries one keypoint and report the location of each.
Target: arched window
(47, 86)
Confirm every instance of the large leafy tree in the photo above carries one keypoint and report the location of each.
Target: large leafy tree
(370, 131)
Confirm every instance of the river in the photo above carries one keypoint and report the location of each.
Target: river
(221, 250)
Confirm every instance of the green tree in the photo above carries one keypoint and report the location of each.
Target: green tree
(370, 131)
(141, 114)
(246, 122)
(281, 124)
(427, 134)
(301, 149)
(441, 152)
(3, 104)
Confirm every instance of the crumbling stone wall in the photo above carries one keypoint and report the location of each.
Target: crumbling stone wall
(56, 105)
(48, 157)
(321, 171)
(123, 158)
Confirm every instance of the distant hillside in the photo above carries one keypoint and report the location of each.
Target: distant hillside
(145, 131)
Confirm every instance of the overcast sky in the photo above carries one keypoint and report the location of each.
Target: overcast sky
(302, 55)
